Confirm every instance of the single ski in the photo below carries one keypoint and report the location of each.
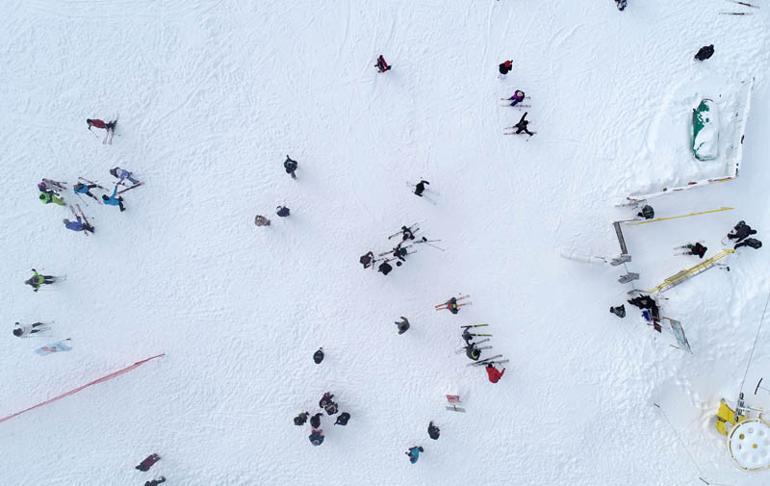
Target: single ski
(91, 182)
(130, 187)
(474, 325)
(735, 13)
(508, 99)
(62, 186)
(745, 4)
(518, 105)
(413, 228)
(480, 348)
(479, 335)
(484, 361)
(502, 361)
(477, 343)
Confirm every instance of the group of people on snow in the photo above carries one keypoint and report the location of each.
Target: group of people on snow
(290, 166)
(329, 406)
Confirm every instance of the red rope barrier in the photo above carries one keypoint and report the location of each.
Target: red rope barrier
(75, 390)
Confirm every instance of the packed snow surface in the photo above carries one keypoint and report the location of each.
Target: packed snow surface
(212, 95)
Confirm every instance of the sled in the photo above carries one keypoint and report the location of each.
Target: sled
(54, 348)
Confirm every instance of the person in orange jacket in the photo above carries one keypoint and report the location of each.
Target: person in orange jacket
(493, 373)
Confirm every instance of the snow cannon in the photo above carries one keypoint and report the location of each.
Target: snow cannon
(747, 433)
(705, 130)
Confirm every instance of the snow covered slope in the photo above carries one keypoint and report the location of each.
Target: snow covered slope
(213, 94)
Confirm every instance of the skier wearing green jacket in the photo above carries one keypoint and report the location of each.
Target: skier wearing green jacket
(38, 280)
(47, 197)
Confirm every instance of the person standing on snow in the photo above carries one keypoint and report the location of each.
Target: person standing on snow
(316, 437)
(621, 4)
(113, 199)
(403, 325)
(522, 126)
(329, 405)
(740, 232)
(518, 97)
(108, 126)
(696, 249)
(368, 260)
(156, 482)
(382, 65)
(493, 373)
(414, 453)
(35, 329)
(290, 166)
(318, 356)
(37, 280)
(419, 188)
(315, 420)
(646, 302)
(705, 52)
(81, 188)
(260, 220)
(506, 66)
(123, 174)
(301, 419)
(472, 352)
(342, 419)
(433, 431)
(282, 211)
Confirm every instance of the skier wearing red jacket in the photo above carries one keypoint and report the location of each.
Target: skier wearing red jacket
(108, 126)
(493, 373)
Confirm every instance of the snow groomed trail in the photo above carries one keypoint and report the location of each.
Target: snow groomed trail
(213, 95)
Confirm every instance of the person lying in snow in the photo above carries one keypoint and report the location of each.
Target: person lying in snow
(493, 373)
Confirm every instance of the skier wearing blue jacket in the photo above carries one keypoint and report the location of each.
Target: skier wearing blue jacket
(414, 453)
(114, 199)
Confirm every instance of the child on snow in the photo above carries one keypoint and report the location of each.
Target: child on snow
(342, 419)
(156, 482)
(79, 225)
(506, 66)
(301, 419)
(316, 437)
(403, 325)
(433, 431)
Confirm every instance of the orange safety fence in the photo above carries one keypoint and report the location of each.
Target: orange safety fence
(75, 390)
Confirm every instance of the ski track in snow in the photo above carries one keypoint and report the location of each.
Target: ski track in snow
(212, 95)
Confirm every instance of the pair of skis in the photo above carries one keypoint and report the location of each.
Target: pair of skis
(490, 360)
(445, 305)
(738, 2)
